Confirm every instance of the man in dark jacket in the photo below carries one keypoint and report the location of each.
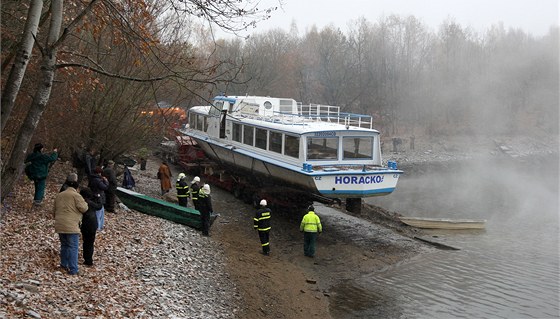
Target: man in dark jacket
(205, 208)
(98, 185)
(109, 173)
(37, 169)
(182, 188)
(262, 225)
(195, 188)
(89, 224)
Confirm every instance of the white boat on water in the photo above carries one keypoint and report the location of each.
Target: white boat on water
(315, 148)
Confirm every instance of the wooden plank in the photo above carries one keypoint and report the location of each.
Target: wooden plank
(443, 223)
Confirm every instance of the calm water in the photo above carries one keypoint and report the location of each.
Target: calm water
(509, 270)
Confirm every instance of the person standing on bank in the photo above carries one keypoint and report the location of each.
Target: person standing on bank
(182, 190)
(37, 169)
(89, 224)
(164, 175)
(194, 189)
(310, 226)
(109, 173)
(98, 185)
(262, 225)
(205, 208)
(68, 209)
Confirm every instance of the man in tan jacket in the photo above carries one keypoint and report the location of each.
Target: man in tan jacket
(69, 206)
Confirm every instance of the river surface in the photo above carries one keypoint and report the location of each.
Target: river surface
(509, 270)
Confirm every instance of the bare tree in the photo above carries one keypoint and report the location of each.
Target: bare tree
(128, 17)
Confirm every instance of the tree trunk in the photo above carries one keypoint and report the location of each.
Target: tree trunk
(12, 170)
(23, 55)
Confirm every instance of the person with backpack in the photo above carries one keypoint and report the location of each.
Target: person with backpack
(98, 185)
(37, 170)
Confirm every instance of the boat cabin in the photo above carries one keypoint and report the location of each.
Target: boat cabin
(315, 134)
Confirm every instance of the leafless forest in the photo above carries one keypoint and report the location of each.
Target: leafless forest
(94, 72)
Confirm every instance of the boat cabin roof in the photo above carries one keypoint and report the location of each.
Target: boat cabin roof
(280, 112)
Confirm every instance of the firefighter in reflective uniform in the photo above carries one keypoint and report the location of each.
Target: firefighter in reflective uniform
(310, 226)
(262, 225)
(182, 190)
(195, 187)
(205, 208)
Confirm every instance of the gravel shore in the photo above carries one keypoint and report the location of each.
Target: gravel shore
(144, 267)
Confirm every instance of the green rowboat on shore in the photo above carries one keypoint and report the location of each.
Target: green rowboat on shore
(160, 208)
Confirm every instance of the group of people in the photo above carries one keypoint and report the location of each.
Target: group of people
(310, 226)
(82, 209)
(75, 212)
(200, 197)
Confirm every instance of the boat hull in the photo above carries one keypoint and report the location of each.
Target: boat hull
(159, 208)
(354, 183)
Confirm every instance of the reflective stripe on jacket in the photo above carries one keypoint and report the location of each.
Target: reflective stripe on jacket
(311, 223)
(182, 189)
(261, 220)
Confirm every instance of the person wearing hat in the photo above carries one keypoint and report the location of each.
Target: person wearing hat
(69, 206)
(182, 189)
(193, 191)
(205, 208)
(109, 173)
(261, 223)
(310, 226)
(37, 170)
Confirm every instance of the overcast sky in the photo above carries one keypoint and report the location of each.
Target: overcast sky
(532, 16)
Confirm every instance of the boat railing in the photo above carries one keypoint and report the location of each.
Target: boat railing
(316, 113)
(329, 113)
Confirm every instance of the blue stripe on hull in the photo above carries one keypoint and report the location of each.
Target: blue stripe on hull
(381, 191)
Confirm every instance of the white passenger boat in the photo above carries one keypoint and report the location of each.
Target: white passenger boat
(315, 148)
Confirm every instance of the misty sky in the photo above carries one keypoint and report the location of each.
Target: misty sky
(532, 16)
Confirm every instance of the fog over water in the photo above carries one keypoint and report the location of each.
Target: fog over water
(508, 270)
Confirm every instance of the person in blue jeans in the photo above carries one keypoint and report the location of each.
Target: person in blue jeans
(37, 169)
(69, 206)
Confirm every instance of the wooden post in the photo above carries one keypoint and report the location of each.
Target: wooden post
(354, 205)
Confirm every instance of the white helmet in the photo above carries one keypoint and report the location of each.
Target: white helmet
(196, 179)
(206, 189)
(181, 176)
(263, 202)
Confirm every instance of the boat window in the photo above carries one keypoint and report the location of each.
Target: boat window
(322, 148)
(205, 121)
(236, 132)
(192, 120)
(248, 133)
(357, 147)
(260, 138)
(199, 122)
(291, 146)
(267, 105)
(275, 142)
